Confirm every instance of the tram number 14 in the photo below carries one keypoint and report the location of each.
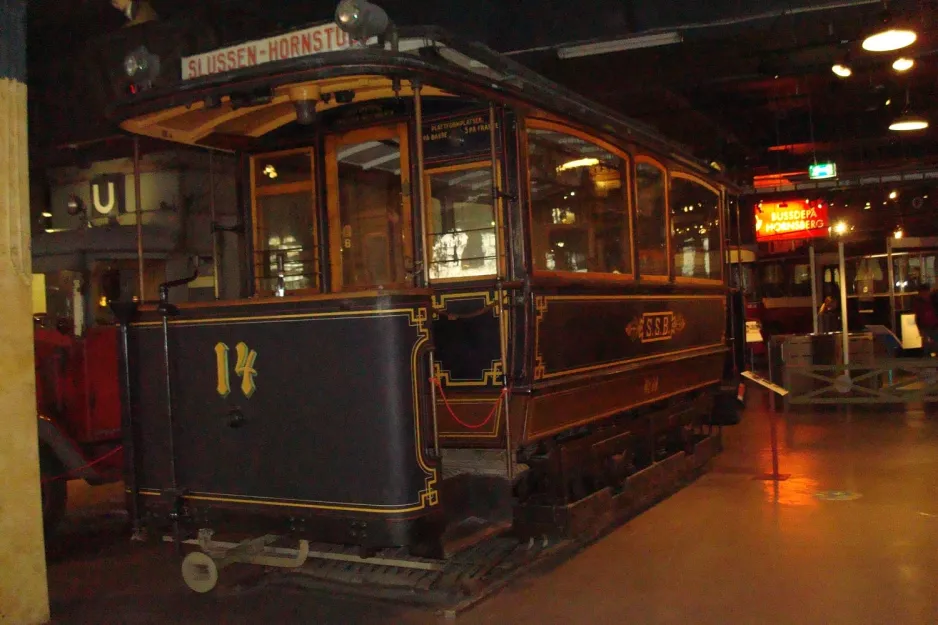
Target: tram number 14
(244, 367)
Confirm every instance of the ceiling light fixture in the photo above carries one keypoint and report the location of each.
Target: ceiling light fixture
(842, 70)
(889, 36)
(903, 64)
(889, 40)
(619, 45)
(908, 121)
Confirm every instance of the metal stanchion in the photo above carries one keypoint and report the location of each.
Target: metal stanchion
(774, 476)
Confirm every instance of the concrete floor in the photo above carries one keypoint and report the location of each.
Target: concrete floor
(851, 537)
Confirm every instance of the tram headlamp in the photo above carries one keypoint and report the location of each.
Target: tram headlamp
(361, 19)
(142, 67)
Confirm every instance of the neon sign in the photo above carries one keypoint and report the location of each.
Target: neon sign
(792, 219)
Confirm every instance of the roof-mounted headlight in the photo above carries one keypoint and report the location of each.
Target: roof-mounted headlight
(142, 67)
(361, 19)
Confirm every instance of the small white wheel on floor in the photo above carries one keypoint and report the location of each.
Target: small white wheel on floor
(199, 572)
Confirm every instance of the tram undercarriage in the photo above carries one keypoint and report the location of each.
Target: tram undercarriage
(568, 493)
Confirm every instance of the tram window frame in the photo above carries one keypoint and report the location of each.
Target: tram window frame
(498, 228)
(257, 218)
(625, 173)
(666, 179)
(397, 130)
(721, 254)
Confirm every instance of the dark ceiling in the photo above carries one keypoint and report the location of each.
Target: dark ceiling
(750, 85)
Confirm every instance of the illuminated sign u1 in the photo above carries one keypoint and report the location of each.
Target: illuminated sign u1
(791, 219)
(820, 171)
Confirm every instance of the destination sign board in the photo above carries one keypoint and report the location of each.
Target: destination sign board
(457, 136)
(791, 219)
(299, 43)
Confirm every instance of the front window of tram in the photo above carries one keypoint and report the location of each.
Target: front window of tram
(370, 210)
(284, 223)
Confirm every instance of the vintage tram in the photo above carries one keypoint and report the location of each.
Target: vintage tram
(473, 293)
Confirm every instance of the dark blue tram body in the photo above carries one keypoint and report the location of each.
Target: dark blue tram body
(363, 398)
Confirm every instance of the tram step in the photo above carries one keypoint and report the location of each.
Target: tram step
(489, 462)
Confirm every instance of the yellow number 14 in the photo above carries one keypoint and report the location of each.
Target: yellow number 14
(244, 367)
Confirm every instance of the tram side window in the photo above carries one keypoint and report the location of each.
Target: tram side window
(870, 277)
(801, 280)
(579, 214)
(284, 223)
(461, 233)
(913, 270)
(906, 280)
(695, 229)
(927, 264)
(773, 281)
(650, 226)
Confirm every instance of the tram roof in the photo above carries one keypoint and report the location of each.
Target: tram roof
(445, 64)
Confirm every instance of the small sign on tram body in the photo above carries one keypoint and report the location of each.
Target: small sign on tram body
(791, 219)
(305, 42)
(821, 171)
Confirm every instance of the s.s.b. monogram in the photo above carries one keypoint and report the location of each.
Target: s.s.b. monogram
(244, 367)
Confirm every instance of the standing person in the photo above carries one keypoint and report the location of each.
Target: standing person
(829, 315)
(926, 319)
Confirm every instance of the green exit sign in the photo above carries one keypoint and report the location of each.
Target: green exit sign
(822, 170)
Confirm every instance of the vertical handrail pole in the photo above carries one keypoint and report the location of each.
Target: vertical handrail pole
(137, 212)
(502, 323)
(814, 308)
(771, 358)
(843, 304)
(890, 271)
(418, 122)
(436, 429)
(421, 204)
(496, 195)
(739, 277)
(727, 269)
(503, 311)
(130, 461)
(211, 207)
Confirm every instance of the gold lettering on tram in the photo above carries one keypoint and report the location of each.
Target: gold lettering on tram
(244, 367)
(656, 326)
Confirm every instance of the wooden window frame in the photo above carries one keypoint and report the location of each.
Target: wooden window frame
(668, 276)
(680, 175)
(284, 189)
(399, 130)
(625, 169)
(497, 206)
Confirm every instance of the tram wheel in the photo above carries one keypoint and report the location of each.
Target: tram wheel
(199, 572)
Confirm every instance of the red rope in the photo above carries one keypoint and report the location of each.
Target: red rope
(484, 422)
(84, 466)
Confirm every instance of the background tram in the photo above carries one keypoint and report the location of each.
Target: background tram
(473, 294)
(777, 287)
